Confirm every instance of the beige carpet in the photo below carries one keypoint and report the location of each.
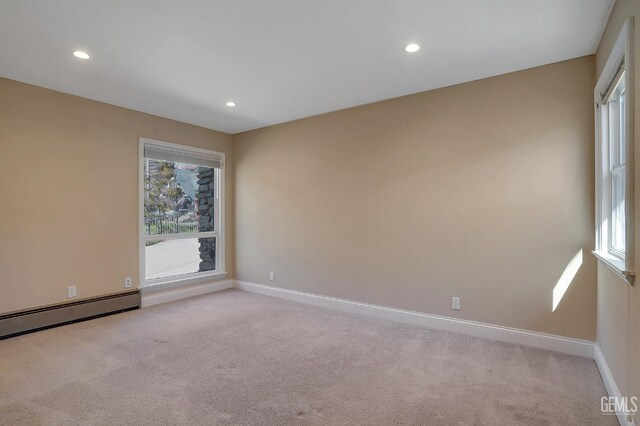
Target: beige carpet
(240, 358)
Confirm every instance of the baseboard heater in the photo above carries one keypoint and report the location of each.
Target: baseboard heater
(26, 321)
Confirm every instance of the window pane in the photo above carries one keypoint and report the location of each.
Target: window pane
(621, 122)
(614, 132)
(178, 198)
(169, 258)
(616, 112)
(617, 212)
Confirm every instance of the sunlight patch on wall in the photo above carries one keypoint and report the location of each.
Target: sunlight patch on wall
(566, 279)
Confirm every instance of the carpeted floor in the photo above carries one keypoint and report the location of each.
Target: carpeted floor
(240, 358)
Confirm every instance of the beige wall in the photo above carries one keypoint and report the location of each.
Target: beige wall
(68, 176)
(614, 296)
(613, 325)
(482, 190)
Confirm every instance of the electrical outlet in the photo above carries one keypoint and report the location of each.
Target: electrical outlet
(127, 282)
(455, 303)
(272, 276)
(72, 291)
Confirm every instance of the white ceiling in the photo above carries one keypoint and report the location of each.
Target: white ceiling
(281, 59)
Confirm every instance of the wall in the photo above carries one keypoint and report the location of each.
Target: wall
(482, 190)
(619, 304)
(68, 175)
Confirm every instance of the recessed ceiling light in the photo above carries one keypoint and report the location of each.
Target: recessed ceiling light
(412, 48)
(80, 54)
(230, 104)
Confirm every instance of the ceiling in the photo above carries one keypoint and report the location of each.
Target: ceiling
(280, 60)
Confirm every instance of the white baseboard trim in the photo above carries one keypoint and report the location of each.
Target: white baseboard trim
(152, 297)
(610, 383)
(550, 342)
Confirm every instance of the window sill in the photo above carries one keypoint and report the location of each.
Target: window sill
(177, 282)
(617, 266)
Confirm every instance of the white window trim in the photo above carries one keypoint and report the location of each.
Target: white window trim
(621, 51)
(179, 280)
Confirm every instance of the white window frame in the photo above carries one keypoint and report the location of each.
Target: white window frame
(621, 54)
(219, 227)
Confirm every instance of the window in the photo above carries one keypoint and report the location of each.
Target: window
(613, 129)
(613, 113)
(181, 213)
